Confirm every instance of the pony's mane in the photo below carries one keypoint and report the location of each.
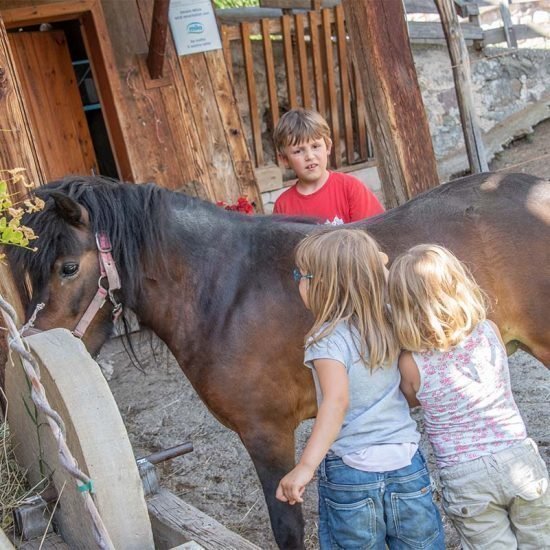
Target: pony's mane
(136, 217)
(114, 206)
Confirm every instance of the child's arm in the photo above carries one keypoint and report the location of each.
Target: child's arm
(410, 378)
(333, 379)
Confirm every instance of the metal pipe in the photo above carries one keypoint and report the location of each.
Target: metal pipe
(167, 454)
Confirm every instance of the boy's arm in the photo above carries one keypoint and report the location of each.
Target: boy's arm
(410, 378)
(333, 379)
(363, 203)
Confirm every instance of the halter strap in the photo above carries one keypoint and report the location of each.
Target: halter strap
(108, 270)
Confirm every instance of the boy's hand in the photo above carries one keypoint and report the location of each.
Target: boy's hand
(292, 486)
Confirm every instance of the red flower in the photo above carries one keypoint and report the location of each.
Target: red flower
(242, 205)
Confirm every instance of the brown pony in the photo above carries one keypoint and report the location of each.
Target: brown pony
(216, 287)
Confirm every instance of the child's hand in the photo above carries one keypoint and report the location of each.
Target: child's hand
(292, 486)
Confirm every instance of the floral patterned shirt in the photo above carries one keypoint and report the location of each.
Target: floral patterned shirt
(465, 392)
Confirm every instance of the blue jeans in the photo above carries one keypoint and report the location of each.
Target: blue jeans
(362, 510)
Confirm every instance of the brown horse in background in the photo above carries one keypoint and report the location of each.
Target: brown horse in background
(216, 287)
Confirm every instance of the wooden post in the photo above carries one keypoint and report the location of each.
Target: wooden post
(460, 62)
(16, 151)
(157, 43)
(509, 32)
(395, 112)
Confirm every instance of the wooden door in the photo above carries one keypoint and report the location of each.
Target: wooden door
(53, 101)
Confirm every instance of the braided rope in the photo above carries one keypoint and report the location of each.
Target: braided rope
(38, 395)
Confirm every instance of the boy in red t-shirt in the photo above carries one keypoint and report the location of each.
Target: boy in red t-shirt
(302, 140)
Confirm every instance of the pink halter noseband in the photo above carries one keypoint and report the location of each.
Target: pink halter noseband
(107, 269)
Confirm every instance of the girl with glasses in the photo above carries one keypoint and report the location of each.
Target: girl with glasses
(374, 487)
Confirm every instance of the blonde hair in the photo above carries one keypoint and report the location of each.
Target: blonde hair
(435, 301)
(299, 125)
(348, 284)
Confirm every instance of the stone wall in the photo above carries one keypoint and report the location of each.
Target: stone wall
(511, 94)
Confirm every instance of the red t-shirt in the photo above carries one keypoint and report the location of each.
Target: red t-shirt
(342, 199)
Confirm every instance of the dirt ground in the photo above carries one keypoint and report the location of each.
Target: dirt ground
(161, 409)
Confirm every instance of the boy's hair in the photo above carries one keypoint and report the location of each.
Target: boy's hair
(299, 125)
(348, 284)
(435, 301)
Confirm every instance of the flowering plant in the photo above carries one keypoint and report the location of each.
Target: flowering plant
(11, 230)
(242, 205)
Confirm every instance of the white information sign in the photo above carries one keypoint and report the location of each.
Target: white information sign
(193, 26)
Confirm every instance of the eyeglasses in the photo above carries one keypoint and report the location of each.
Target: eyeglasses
(297, 275)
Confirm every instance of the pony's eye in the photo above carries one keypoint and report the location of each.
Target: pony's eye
(69, 269)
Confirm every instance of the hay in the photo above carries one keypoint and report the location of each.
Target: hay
(13, 484)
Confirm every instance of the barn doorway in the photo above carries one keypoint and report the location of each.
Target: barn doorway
(63, 102)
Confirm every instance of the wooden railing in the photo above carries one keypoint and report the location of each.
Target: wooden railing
(317, 74)
(317, 71)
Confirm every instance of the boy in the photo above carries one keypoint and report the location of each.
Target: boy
(302, 140)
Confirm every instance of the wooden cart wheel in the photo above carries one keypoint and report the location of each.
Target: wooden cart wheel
(96, 436)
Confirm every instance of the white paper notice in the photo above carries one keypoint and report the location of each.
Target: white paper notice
(193, 26)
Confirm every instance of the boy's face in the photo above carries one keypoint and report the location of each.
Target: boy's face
(308, 159)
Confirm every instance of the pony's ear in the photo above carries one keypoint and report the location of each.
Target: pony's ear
(68, 209)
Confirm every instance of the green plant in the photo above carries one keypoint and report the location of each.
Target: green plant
(11, 230)
(222, 4)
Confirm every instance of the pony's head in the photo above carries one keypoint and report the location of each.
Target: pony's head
(70, 281)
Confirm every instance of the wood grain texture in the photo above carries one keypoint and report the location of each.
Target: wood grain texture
(397, 120)
(53, 99)
(174, 521)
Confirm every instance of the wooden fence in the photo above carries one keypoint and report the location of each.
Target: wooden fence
(302, 59)
(317, 72)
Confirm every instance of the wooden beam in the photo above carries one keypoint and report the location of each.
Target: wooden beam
(508, 25)
(174, 522)
(157, 42)
(460, 62)
(395, 111)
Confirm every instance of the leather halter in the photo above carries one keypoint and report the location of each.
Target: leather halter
(107, 269)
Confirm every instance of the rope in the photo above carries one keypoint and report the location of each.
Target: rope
(38, 395)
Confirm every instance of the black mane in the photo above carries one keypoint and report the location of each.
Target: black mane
(137, 218)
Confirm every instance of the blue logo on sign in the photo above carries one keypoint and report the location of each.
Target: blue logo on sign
(195, 27)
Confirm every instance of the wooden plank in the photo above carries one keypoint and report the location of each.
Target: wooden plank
(55, 107)
(344, 66)
(361, 113)
(17, 142)
(146, 131)
(419, 31)
(289, 61)
(460, 62)
(317, 64)
(297, 4)
(397, 118)
(302, 60)
(226, 45)
(157, 40)
(102, 62)
(192, 176)
(336, 154)
(251, 93)
(270, 73)
(34, 13)
(210, 130)
(174, 521)
(233, 128)
(522, 32)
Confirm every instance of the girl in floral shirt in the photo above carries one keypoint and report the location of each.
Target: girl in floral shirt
(454, 364)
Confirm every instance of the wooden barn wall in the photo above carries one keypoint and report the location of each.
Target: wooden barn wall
(182, 131)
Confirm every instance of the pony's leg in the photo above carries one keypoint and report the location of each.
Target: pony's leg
(272, 451)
